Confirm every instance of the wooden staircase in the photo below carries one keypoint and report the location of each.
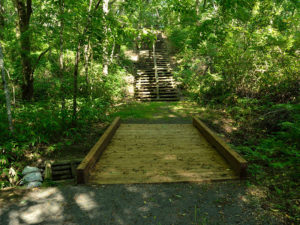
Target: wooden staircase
(148, 86)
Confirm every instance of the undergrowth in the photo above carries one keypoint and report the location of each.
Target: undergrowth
(39, 132)
(267, 136)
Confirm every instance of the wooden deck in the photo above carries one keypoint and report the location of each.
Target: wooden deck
(156, 153)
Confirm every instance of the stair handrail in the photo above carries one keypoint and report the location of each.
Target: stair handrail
(155, 71)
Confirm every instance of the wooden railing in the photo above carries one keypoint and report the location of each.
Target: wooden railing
(155, 71)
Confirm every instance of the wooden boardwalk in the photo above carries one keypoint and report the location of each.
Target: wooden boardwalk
(156, 153)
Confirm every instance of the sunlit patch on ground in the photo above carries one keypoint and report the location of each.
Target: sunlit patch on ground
(157, 110)
(257, 192)
(85, 201)
(214, 203)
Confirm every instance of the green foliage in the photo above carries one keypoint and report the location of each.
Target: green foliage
(242, 57)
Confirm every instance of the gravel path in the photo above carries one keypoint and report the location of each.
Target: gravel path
(181, 203)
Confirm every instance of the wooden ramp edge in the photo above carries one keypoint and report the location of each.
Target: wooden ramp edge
(94, 154)
(237, 162)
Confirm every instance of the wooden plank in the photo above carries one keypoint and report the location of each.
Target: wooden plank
(166, 162)
(63, 167)
(160, 153)
(148, 126)
(178, 154)
(153, 132)
(238, 163)
(164, 178)
(64, 162)
(61, 172)
(92, 157)
(160, 142)
(73, 170)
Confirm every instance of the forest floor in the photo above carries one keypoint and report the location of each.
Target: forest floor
(234, 202)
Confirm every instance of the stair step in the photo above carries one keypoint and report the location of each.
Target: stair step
(173, 90)
(158, 100)
(164, 77)
(170, 79)
(162, 64)
(149, 85)
(155, 96)
(160, 89)
(153, 82)
(163, 91)
(140, 83)
(154, 86)
(151, 75)
(146, 82)
(153, 78)
(154, 93)
(153, 72)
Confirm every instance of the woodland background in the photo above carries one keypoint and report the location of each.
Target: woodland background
(64, 68)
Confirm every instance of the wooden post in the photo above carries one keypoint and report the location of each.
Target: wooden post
(48, 171)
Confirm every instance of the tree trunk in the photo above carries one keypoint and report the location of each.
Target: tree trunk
(75, 85)
(197, 8)
(13, 87)
(105, 43)
(86, 66)
(24, 12)
(87, 54)
(61, 62)
(1, 19)
(113, 51)
(7, 96)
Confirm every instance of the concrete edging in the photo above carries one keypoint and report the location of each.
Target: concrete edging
(238, 163)
(94, 154)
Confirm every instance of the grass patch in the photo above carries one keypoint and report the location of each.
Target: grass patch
(156, 110)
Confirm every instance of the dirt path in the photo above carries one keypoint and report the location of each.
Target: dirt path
(215, 203)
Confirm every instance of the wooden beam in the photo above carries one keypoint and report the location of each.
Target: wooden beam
(238, 163)
(94, 154)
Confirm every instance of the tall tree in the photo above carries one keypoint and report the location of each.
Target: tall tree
(87, 54)
(6, 90)
(2, 69)
(61, 58)
(24, 9)
(105, 42)
(80, 43)
(1, 18)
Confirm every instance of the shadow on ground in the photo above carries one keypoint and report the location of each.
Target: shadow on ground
(182, 203)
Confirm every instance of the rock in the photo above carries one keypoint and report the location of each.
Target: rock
(34, 184)
(30, 169)
(35, 176)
